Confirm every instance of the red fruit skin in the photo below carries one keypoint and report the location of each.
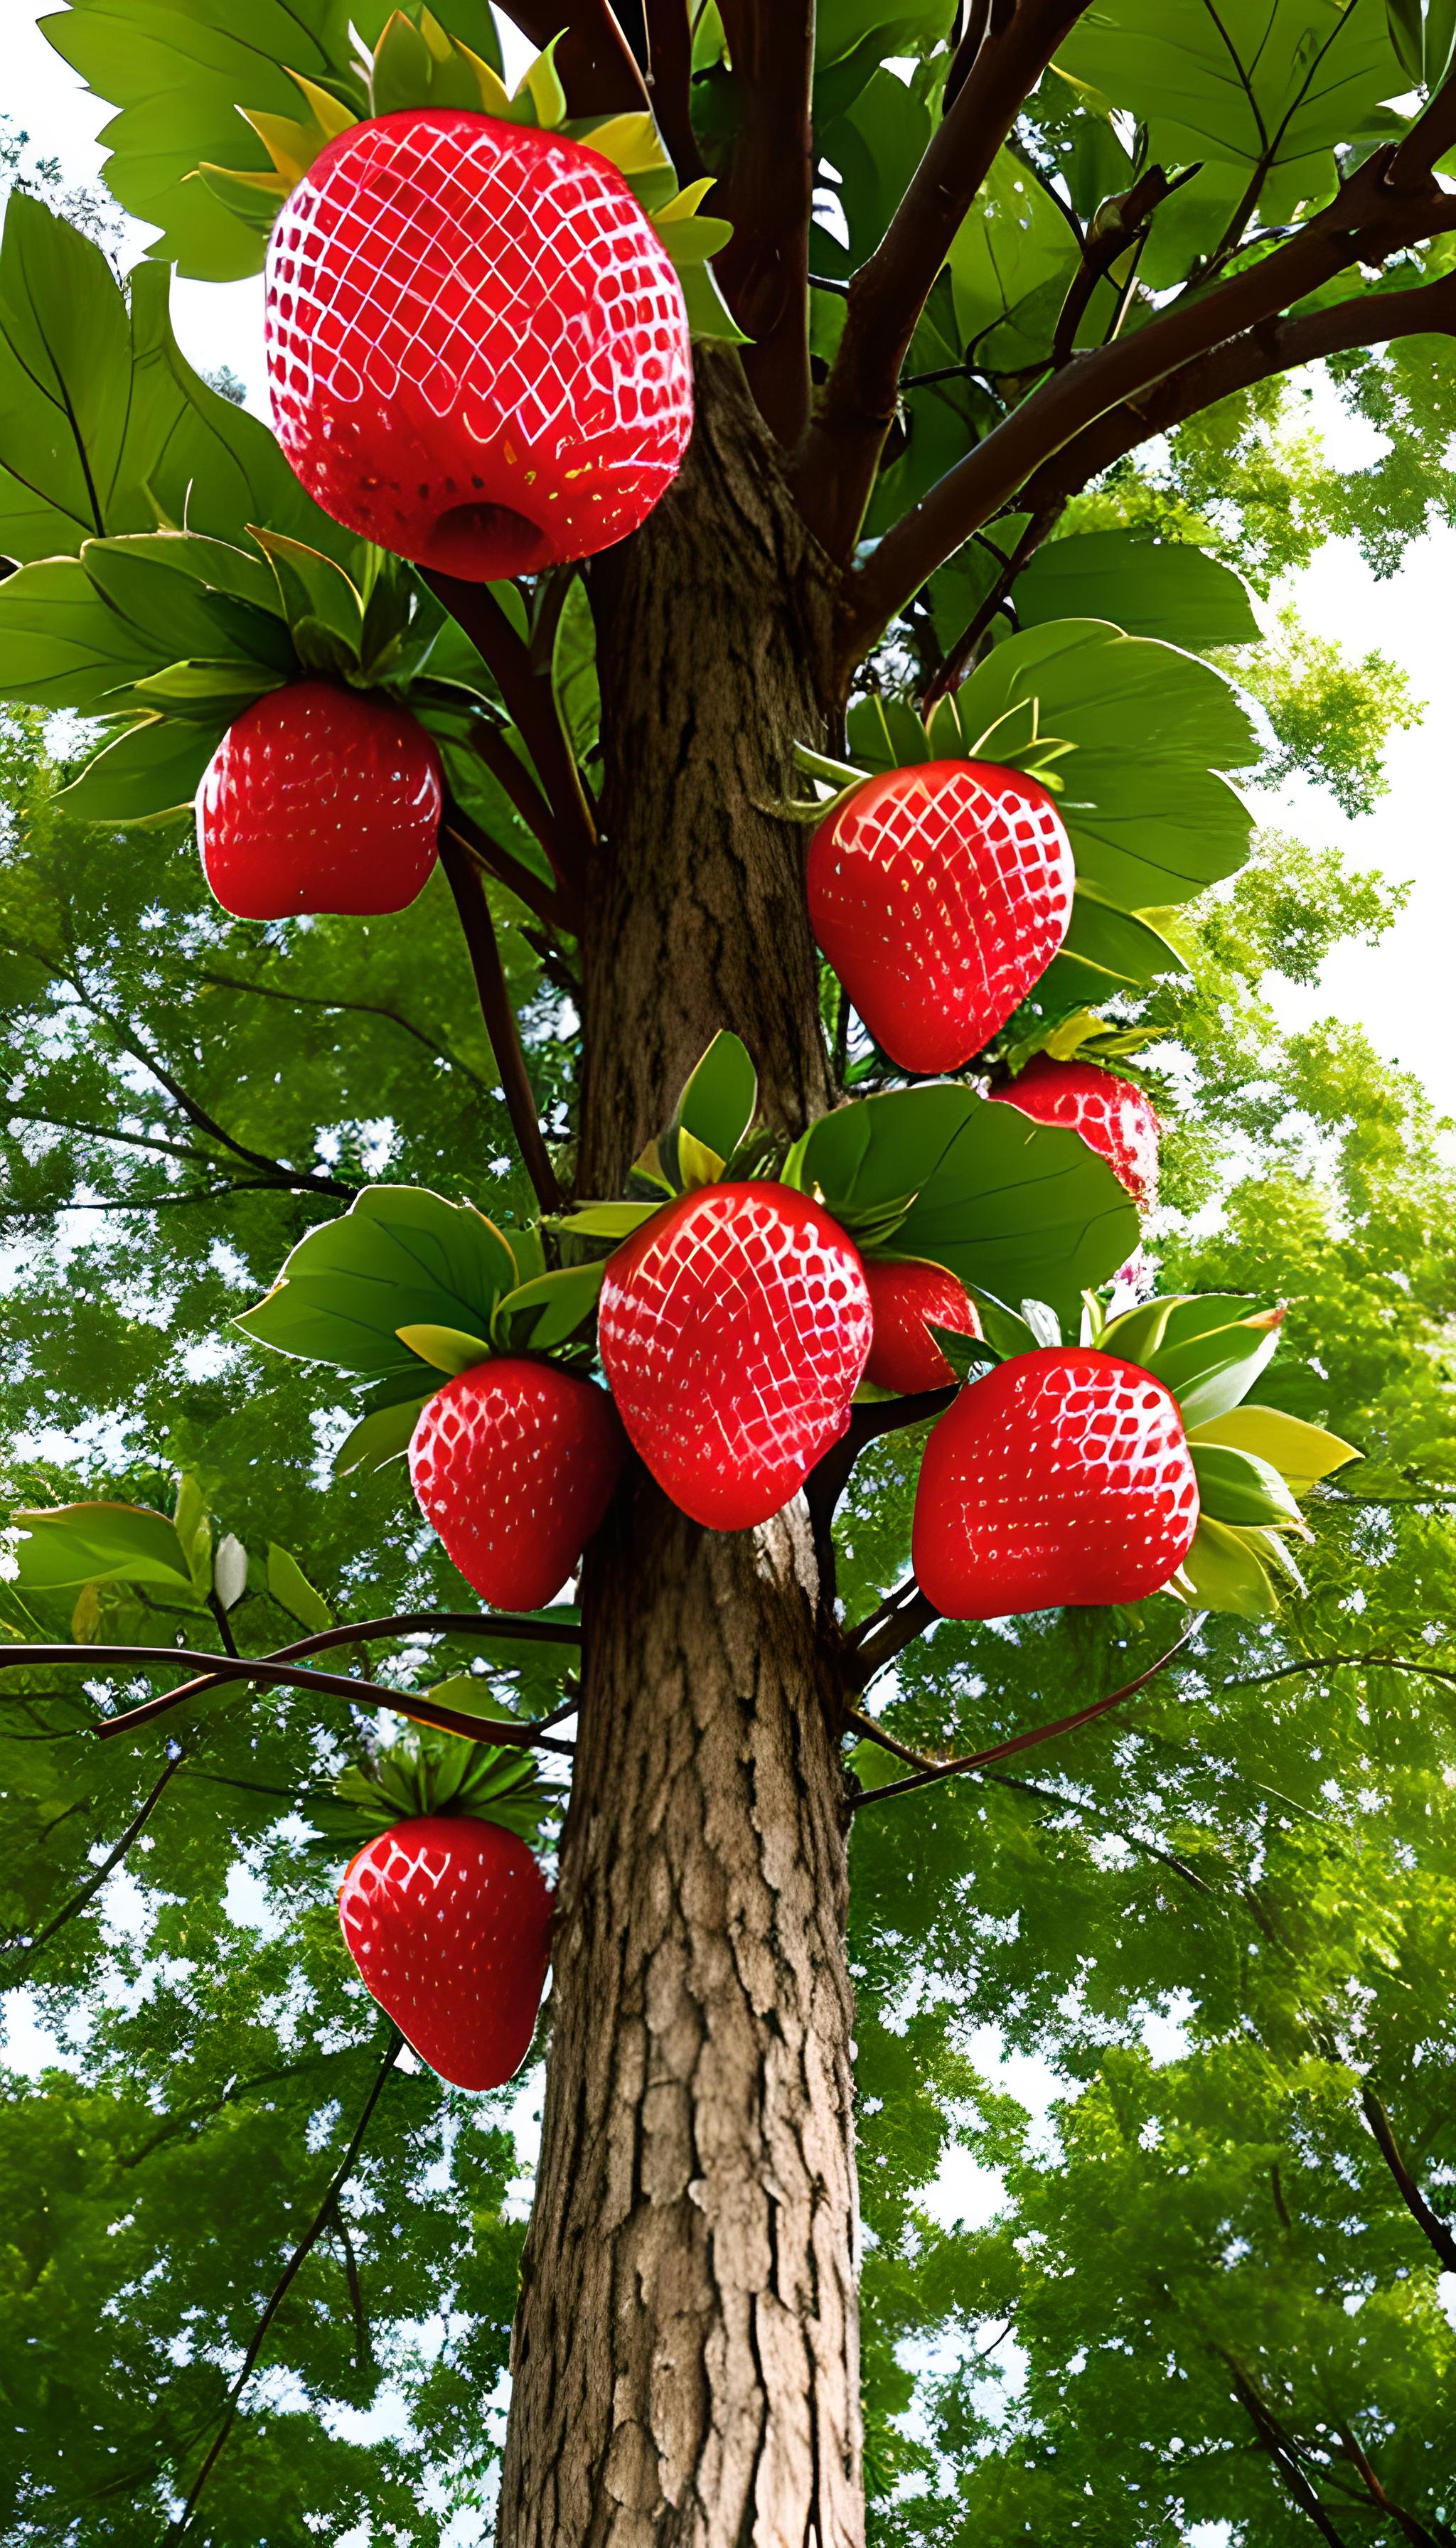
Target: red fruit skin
(317, 799)
(478, 348)
(734, 1328)
(939, 894)
(514, 1463)
(904, 1355)
(449, 1921)
(1113, 1117)
(1062, 1478)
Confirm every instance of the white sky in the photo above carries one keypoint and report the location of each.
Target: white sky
(1400, 990)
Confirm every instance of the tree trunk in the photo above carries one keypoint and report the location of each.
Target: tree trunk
(685, 2363)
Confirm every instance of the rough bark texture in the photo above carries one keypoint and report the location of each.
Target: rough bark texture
(685, 2359)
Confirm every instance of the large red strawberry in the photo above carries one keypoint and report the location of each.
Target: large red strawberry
(1062, 1477)
(448, 1918)
(1115, 1118)
(514, 1463)
(320, 799)
(478, 348)
(903, 1298)
(734, 1328)
(940, 893)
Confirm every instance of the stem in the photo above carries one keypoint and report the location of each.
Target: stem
(95, 1881)
(1438, 2232)
(1024, 1741)
(489, 746)
(337, 2183)
(499, 1015)
(530, 697)
(959, 662)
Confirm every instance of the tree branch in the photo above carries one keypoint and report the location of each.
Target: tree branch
(363, 2349)
(490, 745)
(1405, 2522)
(768, 195)
(962, 656)
(596, 64)
(841, 451)
(281, 1180)
(555, 906)
(1025, 1742)
(669, 83)
(352, 1008)
(275, 1675)
(830, 1476)
(530, 695)
(1369, 220)
(894, 1627)
(135, 1827)
(499, 1015)
(328, 2206)
(1438, 2232)
(1280, 2449)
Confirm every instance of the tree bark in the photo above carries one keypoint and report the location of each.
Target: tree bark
(685, 2356)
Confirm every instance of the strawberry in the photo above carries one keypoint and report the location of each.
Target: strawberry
(903, 1297)
(320, 799)
(1113, 1117)
(478, 348)
(1062, 1477)
(514, 1463)
(939, 894)
(733, 1326)
(448, 1918)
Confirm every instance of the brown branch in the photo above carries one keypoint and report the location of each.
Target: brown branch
(274, 1676)
(1405, 2522)
(767, 196)
(363, 2348)
(1336, 1663)
(594, 60)
(499, 1015)
(1438, 2232)
(882, 1638)
(1280, 2449)
(842, 448)
(135, 1827)
(337, 2183)
(669, 83)
(1025, 1742)
(1369, 220)
(282, 1180)
(962, 656)
(830, 1476)
(453, 1623)
(1119, 225)
(554, 905)
(530, 695)
(353, 1007)
(490, 745)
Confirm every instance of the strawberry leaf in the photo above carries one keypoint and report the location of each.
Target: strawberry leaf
(99, 1543)
(399, 1257)
(1237, 1487)
(1302, 1453)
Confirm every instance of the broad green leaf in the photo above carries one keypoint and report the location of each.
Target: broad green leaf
(1248, 82)
(1163, 588)
(548, 1310)
(1224, 1571)
(1240, 1488)
(399, 1256)
(381, 1435)
(1149, 819)
(1013, 1208)
(292, 1591)
(607, 1219)
(65, 379)
(876, 145)
(1302, 1453)
(448, 1349)
(885, 733)
(61, 644)
(205, 692)
(717, 1105)
(1211, 1373)
(1015, 244)
(99, 1543)
(152, 770)
(1120, 946)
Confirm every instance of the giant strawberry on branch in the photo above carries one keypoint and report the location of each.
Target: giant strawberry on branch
(1113, 1114)
(955, 304)
(317, 799)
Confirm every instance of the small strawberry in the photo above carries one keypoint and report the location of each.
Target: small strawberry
(478, 348)
(320, 799)
(448, 1918)
(1113, 1117)
(1062, 1477)
(903, 1298)
(514, 1463)
(734, 1328)
(940, 893)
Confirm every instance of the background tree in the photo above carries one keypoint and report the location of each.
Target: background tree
(1051, 393)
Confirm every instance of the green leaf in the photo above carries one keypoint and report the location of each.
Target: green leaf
(1248, 82)
(1117, 947)
(205, 691)
(1016, 244)
(399, 1256)
(548, 1310)
(968, 1356)
(99, 1543)
(1011, 1207)
(1225, 1570)
(1237, 1487)
(1161, 588)
(885, 734)
(1209, 1372)
(151, 771)
(61, 644)
(64, 378)
(311, 586)
(607, 1219)
(448, 1349)
(380, 1436)
(1150, 820)
(1302, 1453)
(718, 1103)
(292, 1591)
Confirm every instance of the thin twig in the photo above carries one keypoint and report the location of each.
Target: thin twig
(552, 904)
(337, 2183)
(530, 695)
(1025, 1742)
(499, 1015)
(95, 1881)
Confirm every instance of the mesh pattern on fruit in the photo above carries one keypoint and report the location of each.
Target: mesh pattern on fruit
(1061, 1477)
(938, 895)
(318, 801)
(478, 348)
(734, 1332)
(449, 1922)
(514, 1463)
(1113, 1117)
